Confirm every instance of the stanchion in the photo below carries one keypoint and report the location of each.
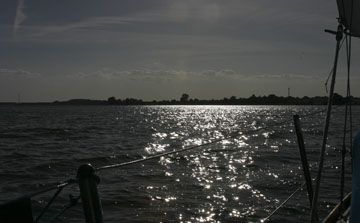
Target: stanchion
(304, 160)
(89, 193)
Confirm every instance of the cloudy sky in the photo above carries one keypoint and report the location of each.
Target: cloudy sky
(158, 49)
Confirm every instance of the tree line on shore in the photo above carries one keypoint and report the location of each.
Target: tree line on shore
(252, 100)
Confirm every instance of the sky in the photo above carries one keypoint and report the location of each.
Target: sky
(159, 49)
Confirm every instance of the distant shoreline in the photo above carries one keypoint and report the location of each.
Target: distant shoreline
(185, 100)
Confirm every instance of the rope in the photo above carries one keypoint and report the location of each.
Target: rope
(291, 195)
(283, 203)
(232, 135)
(331, 71)
(58, 186)
(73, 202)
(348, 91)
(348, 65)
(61, 185)
(348, 105)
(48, 204)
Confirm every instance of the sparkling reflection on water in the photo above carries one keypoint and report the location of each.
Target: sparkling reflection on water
(238, 179)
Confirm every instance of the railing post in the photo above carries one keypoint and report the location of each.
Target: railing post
(304, 160)
(89, 193)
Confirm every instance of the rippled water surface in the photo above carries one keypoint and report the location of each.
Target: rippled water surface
(240, 179)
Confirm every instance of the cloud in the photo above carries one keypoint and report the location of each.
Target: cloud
(175, 14)
(277, 77)
(192, 9)
(17, 73)
(19, 17)
(91, 23)
(149, 75)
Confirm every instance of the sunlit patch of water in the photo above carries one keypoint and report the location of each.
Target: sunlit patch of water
(156, 148)
(238, 179)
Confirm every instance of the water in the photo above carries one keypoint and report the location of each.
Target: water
(237, 180)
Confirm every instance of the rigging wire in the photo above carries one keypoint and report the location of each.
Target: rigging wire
(348, 60)
(293, 194)
(331, 71)
(73, 202)
(58, 186)
(348, 83)
(283, 203)
(343, 150)
(48, 204)
(348, 107)
(339, 35)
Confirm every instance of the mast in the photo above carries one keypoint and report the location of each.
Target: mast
(349, 17)
(339, 35)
